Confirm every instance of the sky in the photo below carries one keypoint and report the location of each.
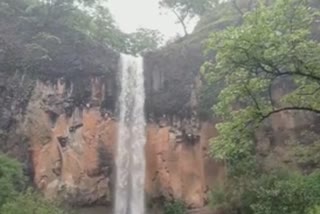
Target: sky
(133, 14)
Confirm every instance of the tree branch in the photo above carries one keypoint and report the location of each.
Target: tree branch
(234, 2)
(309, 109)
(307, 94)
(253, 99)
(288, 73)
(181, 20)
(270, 92)
(235, 5)
(250, 5)
(298, 73)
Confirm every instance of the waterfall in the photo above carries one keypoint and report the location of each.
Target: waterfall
(130, 160)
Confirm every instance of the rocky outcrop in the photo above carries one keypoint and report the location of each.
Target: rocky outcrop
(73, 154)
(71, 150)
(180, 169)
(29, 53)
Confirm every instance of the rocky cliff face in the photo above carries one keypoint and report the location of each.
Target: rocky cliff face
(64, 127)
(58, 115)
(73, 151)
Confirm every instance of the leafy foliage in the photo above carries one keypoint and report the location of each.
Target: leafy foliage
(272, 44)
(190, 7)
(278, 192)
(144, 40)
(208, 97)
(174, 207)
(48, 35)
(11, 179)
(315, 210)
(305, 152)
(287, 194)
(187, 9)
(13, 197)
(30, 203)
(273, 48)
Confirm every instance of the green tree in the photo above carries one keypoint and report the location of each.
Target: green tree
(273, 47)
(11, 179)
(144, 40)
(84, 17)
(288, 193)
(187, 9)
(56, 33)
(278, 192)
(102, 28)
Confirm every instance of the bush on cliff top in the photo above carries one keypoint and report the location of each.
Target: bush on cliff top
(60, 37)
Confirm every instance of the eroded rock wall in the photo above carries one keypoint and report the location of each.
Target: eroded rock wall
(71, 150)
(73, 153)
(181, 169)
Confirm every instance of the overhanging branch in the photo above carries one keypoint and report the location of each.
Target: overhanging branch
(309, 109)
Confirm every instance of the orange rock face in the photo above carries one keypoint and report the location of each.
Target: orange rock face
(179, 170)
(73, 157)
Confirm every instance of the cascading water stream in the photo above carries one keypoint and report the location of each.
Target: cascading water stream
(130, 160)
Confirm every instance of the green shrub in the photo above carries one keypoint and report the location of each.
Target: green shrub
(274, 193)
(13, 197)
(30, 203)
(175, 207)
(218, 198)
(11, 178)
(290, 194)
(315, 210)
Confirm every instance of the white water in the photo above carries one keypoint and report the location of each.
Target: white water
(130, 160)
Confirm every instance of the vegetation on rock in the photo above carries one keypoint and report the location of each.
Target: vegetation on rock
(37, 35)
(175, 207)
(11, 179)
(14, 198)
(144, 40)
(30, 202)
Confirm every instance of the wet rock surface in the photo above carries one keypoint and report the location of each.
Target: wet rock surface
(73, 157)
